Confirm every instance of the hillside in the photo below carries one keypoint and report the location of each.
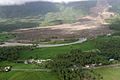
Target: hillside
(42, 40)
(41, 8)
(28, 9)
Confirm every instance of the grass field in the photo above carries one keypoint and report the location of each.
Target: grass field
(112, 73)
(14, 75)
(52, 52)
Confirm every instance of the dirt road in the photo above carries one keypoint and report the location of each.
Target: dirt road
(81, 40)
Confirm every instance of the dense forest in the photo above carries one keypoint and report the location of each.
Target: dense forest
(12, 53)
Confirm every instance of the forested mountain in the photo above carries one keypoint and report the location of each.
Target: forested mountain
(40, 8)
(43, 7)
(43, 13)
(28, 9)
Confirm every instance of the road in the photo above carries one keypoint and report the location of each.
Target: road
(113, 65)
(81, 40)
(41, 70)
(104, 66)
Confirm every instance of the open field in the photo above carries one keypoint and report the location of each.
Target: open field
(112, 73)
(52, 52)
(19, 65)
(17, 75)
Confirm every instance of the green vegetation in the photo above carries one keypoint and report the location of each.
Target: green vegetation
(115, 23)
(14, 53)
(41, 8)
(104, 44)
(16, 65)
(112, 73)
(5, 37)
(51, 18)
(69, 66)
(11, 53)
(52, 52)
(41, 14)
(65, 15)
(66, 63)
(62, 42)
(15, 75)
(109, 47)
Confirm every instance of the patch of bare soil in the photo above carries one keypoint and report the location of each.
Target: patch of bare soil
(87, 29)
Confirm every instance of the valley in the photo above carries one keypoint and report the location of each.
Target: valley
(60, 41)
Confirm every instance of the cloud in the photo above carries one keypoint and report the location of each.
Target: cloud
(18, 2)
(11, 2)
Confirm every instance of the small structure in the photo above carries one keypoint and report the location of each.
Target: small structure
(109, 34)
(5, 69)
(93, 65)
(33, 61)
(111, 60)
(100, 64)
(87, 66)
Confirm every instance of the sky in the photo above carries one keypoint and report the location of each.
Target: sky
(18, 2)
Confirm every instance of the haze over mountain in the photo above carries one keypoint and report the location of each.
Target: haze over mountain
(38, 7)
(19, 2)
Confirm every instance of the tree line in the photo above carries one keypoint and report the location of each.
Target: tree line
(12, 53)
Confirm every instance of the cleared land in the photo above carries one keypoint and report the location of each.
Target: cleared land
(85, 29)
